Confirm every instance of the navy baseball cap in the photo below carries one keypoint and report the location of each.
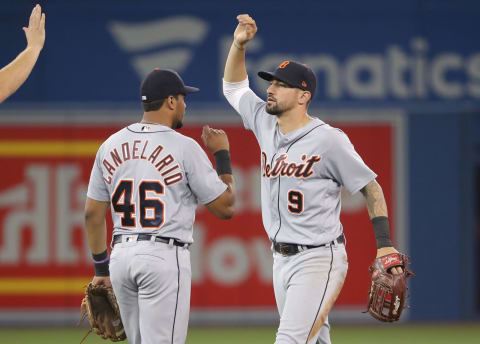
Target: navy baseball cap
(294, 74)
(161, 83)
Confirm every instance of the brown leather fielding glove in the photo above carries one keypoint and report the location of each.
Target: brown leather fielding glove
(101, 307)
(386, 299)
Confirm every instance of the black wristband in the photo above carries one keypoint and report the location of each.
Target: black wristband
(222, 162)
(101, 262)
(382, 235)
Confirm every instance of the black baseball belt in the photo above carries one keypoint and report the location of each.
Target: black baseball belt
(146, 237)
(286, 249)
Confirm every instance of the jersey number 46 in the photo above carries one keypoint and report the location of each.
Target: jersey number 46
(151, 209)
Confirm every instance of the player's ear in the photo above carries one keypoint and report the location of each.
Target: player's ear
(304, 97)
(171, 102)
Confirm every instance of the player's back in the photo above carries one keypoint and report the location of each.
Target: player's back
(153, 177)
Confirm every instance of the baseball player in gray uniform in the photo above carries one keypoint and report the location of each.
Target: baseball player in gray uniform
(304, 164)
(152, 178)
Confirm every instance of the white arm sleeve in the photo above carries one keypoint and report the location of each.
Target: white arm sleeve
(233, 91)
(244, 101)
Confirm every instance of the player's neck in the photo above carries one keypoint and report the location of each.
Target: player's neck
(291, 121)
(153, 117)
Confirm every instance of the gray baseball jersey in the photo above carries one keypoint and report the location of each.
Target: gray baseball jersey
(154, 177)
(302, 175)
(302, 172)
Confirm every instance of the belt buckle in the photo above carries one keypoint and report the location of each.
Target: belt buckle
(130, 238)
(284, 249)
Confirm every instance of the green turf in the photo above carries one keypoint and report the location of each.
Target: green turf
(402, 334)
(341, 334)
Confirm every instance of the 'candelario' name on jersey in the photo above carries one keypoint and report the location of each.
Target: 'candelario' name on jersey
(136, 150)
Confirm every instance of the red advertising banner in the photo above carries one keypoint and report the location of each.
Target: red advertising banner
(44, 259)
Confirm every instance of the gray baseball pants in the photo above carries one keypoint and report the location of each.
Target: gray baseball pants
(152, 282)
(306, 286)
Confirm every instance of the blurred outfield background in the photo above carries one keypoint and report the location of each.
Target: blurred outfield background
(401, 78)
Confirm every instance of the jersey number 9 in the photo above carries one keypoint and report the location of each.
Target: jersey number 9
(122, 203)
(295, 202)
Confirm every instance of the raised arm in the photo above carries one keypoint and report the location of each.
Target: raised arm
(235, 70)
(377, 210)
(13, 75)
(216, 142)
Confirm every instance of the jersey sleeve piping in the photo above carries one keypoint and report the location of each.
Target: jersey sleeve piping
(98, 199)
(362, 185)
(211, 199)
(337, 136)
(209, 181)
